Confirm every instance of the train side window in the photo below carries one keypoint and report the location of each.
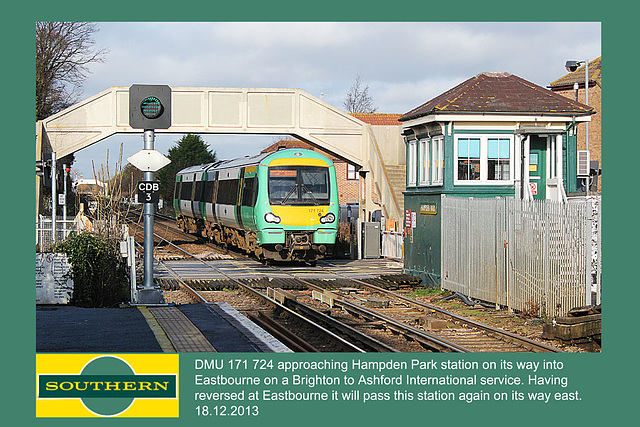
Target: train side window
(176, 190)
(185, 190)
(235, 187)
(228, 191)
(248, 192)
(255, 192)
(209, 187)
(222, 193)
(197, 195)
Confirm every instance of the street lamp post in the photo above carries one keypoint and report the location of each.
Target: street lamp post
(571, 66)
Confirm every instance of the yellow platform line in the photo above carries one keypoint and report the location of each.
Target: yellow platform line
(184, 335)
(161, 337)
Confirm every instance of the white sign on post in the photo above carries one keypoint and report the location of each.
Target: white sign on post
(149, 160)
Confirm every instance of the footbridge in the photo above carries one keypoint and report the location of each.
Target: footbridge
(212, 110)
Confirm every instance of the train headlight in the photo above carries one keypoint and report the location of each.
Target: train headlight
(328, 218)
(270, 217)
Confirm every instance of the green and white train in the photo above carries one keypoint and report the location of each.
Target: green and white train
(279, 206)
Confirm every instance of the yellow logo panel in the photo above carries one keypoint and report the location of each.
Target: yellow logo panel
(107, 385)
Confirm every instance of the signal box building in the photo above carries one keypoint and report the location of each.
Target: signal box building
(494, 134)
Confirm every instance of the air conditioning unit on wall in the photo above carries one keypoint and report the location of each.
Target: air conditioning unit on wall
(583, 163)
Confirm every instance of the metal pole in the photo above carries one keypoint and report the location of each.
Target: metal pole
(586, 101)
(54, 197)
(64, 206)
(148, 220)
(586, 98)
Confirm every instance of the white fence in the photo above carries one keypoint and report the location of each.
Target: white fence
(44, 232)
(533, 256)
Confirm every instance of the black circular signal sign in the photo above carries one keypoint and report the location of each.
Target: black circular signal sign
(151, 107)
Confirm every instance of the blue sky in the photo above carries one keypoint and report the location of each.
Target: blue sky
(404, 64)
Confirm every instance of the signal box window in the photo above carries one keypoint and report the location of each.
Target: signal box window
(412, 163)
(498, 159)
(484, 159)
(469, 159)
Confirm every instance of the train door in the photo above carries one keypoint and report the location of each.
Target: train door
(227, 197)
(186, 193)
(248, 198)
(209, 196)
(198, 187)
(538, 167)
(176, 195)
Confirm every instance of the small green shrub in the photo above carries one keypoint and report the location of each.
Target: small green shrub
(98, 270)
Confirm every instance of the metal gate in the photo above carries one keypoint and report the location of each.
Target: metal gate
(371, 240)
(392, 245)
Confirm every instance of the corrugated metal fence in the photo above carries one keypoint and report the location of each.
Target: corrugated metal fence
(532, 256)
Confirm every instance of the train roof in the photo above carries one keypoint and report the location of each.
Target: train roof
(248, 160)
(242, 161)
(196, 169)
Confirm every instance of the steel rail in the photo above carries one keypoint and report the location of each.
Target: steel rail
(426, 339)
(332, 323)
(431, 341)
(520, 340)
(289, 339)
(274, 303)
(179, 279)
(439, 343)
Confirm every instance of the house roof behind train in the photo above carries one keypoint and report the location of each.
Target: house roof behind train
(379, 119)
(567, 81)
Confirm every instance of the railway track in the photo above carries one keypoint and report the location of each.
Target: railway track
(341, 309)
(275, 318)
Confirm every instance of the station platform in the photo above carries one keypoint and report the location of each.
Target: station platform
(204, 327)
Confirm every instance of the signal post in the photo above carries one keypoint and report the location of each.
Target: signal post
(149, 109)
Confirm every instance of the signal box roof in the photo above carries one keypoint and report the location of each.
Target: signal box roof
(499, 93)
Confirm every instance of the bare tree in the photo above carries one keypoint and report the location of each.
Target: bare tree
(358, 99)
(64, 51)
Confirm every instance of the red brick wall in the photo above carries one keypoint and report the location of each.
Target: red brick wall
(595, 126)
(348, 192)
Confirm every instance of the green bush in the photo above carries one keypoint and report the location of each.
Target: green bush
(99, 271)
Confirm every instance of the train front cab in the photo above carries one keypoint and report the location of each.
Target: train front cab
(297, 207)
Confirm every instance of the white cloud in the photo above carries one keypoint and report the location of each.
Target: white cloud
(404, 64)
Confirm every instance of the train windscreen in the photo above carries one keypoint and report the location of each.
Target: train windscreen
(299, 185)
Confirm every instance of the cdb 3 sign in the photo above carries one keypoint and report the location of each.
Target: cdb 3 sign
(148, 191)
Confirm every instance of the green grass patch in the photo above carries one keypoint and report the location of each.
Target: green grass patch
(426, 292)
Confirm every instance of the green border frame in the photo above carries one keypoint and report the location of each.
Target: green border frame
(608, 381)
